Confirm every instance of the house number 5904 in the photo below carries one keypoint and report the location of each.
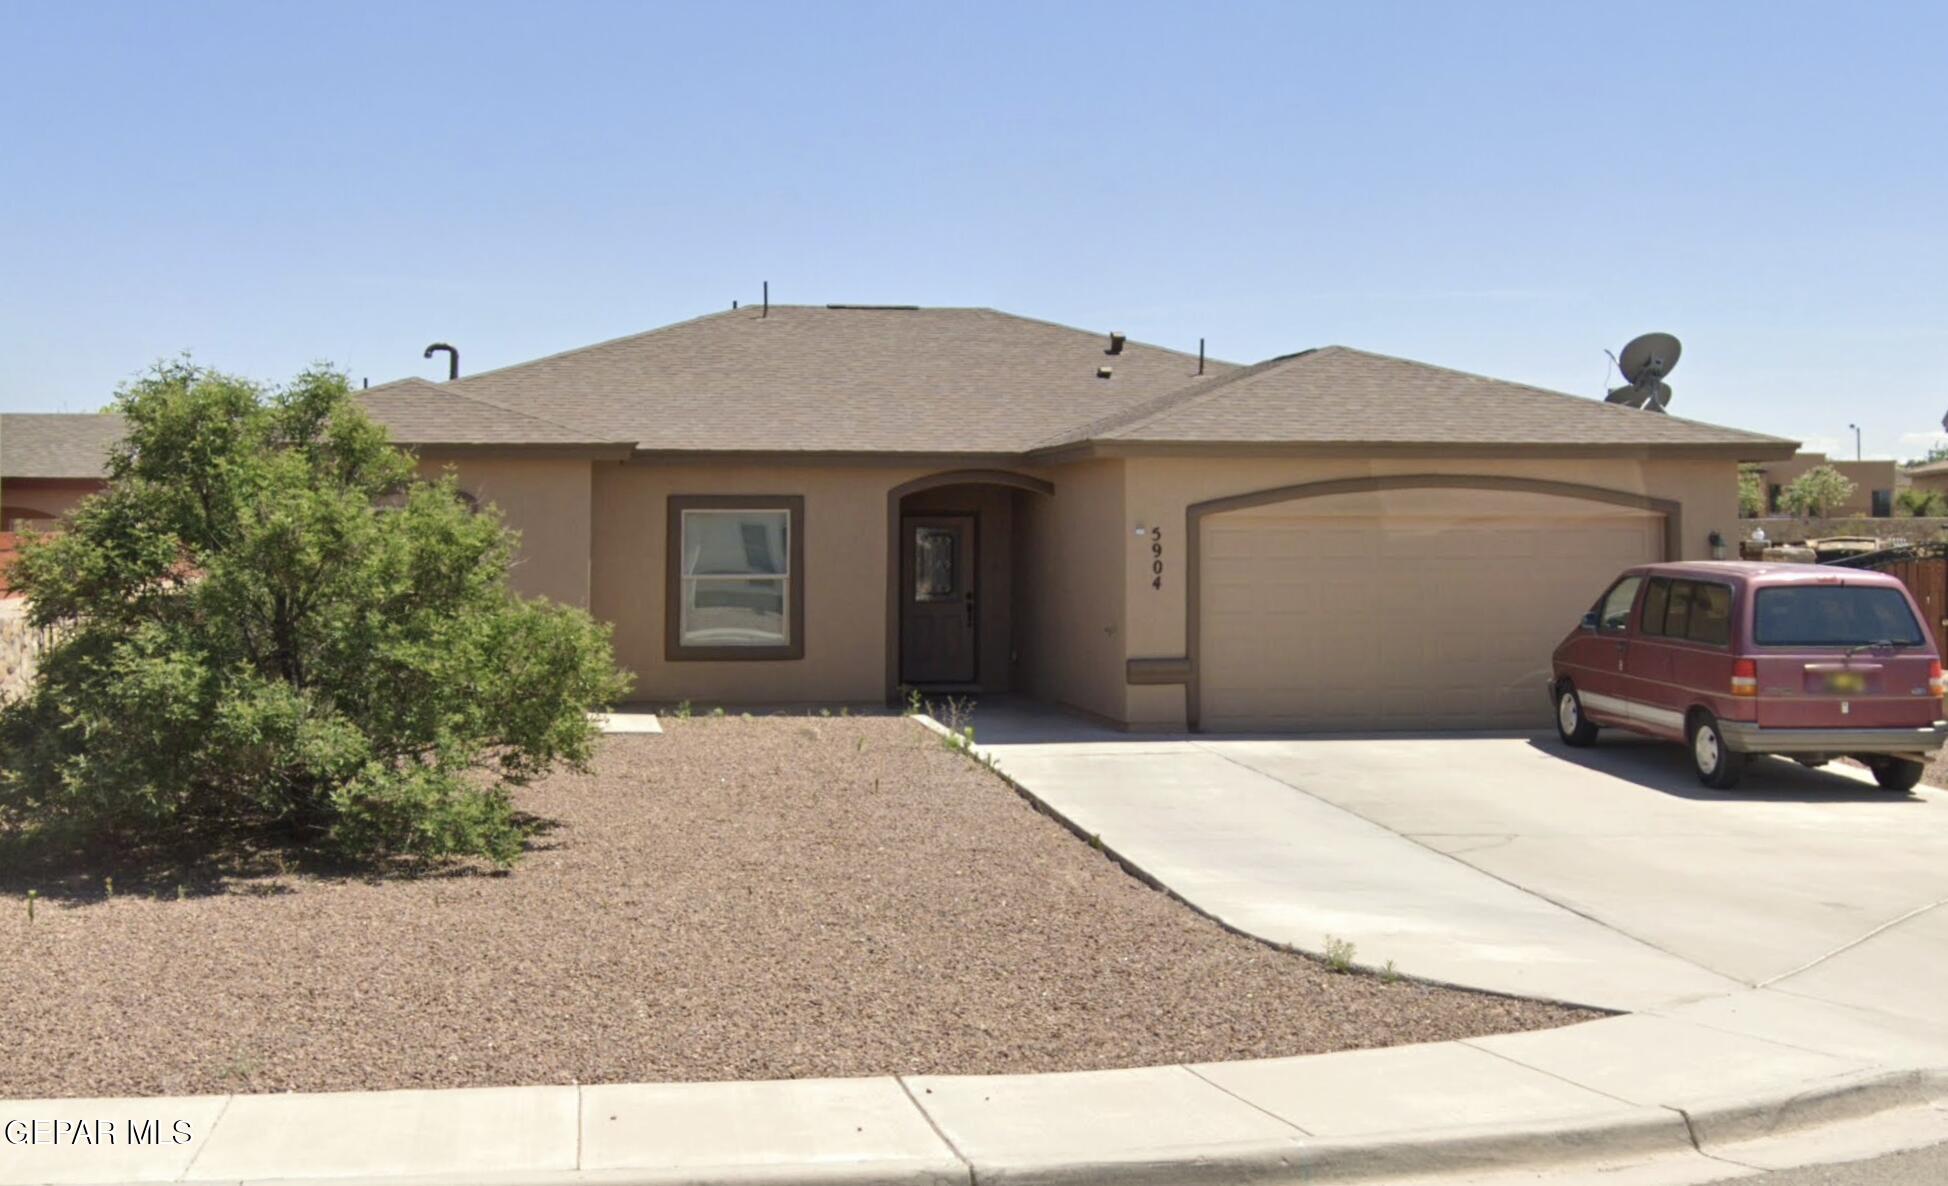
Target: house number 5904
(1156, 557)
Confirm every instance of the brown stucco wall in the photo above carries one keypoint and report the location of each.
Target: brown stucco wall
(1866, 476)
(1158, 491)
(25, 500)
(547, 500)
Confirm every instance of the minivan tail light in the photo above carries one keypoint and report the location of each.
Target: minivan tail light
(1745, 677)
(1937, 686)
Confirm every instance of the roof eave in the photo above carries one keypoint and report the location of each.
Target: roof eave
(527, 450)
(823, 457)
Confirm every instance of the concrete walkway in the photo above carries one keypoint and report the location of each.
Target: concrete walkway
(1710, 1077)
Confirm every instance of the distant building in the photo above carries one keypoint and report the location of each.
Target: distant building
(1932, 476)
(1873, 483)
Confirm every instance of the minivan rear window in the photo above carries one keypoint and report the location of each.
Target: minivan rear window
(1833, 616)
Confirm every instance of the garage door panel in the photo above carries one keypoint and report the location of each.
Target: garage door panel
(1354, 622)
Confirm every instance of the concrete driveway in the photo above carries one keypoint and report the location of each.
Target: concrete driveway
(1606, 876)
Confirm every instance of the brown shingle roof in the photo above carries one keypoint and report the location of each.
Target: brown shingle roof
(841, 379)
(852, 379)
(418, 412)
(414, 411)
(56, 444)
(1340, 396)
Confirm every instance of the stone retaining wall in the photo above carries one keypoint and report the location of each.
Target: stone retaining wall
(20, 648)
(1792, 531)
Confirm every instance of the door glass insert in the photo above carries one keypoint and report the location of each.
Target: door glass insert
(934, 557)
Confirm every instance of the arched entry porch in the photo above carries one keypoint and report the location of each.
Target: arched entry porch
(958, 578)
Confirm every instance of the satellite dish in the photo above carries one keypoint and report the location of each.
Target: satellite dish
(1644, 363)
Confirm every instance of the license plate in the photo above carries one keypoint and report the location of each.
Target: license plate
(1846, 682)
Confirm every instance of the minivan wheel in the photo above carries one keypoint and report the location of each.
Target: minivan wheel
(1571, 725)
(1717, 764)
(1895, 774)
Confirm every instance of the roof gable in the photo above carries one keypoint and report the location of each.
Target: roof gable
(1335, 395)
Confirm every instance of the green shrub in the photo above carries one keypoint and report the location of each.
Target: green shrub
(1917, 503)
(1751, 492)
(269, 626)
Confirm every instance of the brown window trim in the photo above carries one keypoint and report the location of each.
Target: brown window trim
(674, 651)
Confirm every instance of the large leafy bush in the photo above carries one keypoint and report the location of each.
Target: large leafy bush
(1819, 491)
(268, 628)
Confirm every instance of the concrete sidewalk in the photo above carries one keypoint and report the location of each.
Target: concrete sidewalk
(1625, 1090)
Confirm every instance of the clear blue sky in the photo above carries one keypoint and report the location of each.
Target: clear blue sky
(1506, 189)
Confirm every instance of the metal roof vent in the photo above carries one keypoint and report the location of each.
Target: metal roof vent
(1105, 372)
(1115, 343)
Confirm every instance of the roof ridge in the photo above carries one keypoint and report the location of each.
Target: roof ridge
(1189, 395)
(1127, 340)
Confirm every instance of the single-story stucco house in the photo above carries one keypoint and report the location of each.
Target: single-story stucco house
(828, 504)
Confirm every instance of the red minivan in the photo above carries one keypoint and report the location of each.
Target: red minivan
(1739, 658)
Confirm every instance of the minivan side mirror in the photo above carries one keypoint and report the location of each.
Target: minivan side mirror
(1589, 620)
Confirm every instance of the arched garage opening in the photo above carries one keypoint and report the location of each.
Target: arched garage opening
(958, 579)
(1410, 602)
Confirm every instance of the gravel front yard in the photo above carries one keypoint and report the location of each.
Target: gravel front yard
(735, 899)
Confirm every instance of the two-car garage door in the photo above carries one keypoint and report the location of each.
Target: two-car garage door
(1400, 609)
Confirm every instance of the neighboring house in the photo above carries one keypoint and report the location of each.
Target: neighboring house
(828, 504)
(1874, 483)
(1932, 476)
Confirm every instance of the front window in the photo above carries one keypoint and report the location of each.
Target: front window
(736, 574)
(1833, 616)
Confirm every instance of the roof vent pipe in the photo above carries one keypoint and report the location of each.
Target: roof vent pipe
(452, 358)
(767, 300)
(1200, 356)
(1115, 343)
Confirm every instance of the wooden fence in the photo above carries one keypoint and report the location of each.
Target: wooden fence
(1924, 570)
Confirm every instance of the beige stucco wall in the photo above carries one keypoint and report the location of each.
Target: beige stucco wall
(1065, 586)
(844, 584)
(1072, 592)
(547, 500)
(1158, 491)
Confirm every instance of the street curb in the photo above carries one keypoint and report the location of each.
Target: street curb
(1630, 1132)
(1732, 1119)
(900, 1173)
